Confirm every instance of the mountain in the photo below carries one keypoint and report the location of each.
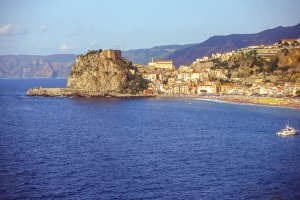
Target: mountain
(59, 65)
(143, 56)
(187, 54)
(36, 66)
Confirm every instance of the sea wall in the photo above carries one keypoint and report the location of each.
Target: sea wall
(65, 92)
(54, 92)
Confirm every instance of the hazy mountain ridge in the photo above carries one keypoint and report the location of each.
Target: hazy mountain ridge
(59, 65)
(36, 66)
(143, 56)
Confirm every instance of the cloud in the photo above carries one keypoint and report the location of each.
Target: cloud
(65, 47)
(11, 29)
(44, 28)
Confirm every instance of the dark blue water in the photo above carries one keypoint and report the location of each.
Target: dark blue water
(77, 148)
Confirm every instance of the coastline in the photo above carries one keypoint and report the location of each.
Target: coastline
(293, 103)
(285, 102)
(238, 99)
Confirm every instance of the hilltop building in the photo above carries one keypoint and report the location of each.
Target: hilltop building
(113, 54)
(162, 64)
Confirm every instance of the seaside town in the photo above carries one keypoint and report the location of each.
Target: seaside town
(215, 76)
(262, 74)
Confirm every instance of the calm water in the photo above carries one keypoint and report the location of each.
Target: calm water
(76, 148)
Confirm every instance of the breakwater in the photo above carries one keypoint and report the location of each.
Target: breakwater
(61, 92)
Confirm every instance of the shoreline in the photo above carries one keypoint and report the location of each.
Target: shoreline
(284, 102)
(237, 99)
(255, 100)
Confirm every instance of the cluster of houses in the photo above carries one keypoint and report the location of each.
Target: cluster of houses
(202, 77)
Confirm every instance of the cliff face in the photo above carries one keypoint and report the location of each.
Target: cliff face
(290, 58)
(96, 72)
(99, 73)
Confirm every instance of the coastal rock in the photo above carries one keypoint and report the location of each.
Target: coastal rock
(97, 72)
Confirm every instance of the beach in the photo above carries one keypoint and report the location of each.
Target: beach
(242, 99)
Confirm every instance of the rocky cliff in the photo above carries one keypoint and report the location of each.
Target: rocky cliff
(98, 74)
(95, 72)
(285, 66)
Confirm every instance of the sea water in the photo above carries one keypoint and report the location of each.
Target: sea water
(149, 148)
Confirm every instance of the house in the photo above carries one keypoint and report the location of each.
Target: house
(184, 68)
(180, 88)
(195, 76)
(224, 88)
(184, 88)
(291, 88)
(148, 91)
(150, 76)
(171, 80)
(207, 89)
(216, 55)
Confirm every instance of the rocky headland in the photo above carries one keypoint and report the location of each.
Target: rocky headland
(99, 73)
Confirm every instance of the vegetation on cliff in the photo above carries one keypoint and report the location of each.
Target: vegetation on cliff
(284, 66)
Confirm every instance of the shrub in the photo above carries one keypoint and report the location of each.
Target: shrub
(298, 93)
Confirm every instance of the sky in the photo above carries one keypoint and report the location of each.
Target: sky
(76, 26)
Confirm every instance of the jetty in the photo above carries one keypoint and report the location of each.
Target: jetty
(65, 92)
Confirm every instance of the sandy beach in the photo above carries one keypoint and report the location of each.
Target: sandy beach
(271, 101)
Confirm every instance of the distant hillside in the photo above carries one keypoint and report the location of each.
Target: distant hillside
(59, 65)
(284, 66)
(143, 56)
(187, 54)
(35, 66)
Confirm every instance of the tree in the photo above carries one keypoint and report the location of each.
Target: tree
(298, 93)
(285, 52)
(286, 44)
(273, 64)
(295, 43)
(283, 70)
(136, 84)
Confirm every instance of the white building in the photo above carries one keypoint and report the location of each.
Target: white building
(162, 64)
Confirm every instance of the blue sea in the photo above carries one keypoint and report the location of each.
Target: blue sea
(146, 148)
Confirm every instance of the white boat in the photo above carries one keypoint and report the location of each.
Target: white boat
(287, 131)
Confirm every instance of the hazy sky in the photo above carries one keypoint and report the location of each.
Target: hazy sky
(75, 26)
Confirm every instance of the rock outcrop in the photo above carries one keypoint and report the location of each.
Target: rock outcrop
(94, 71)
(99, 73)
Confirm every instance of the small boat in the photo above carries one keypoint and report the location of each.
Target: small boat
(287, 131)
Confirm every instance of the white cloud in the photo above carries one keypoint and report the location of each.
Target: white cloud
(65, 47)
(44, 28)
(11, 29)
